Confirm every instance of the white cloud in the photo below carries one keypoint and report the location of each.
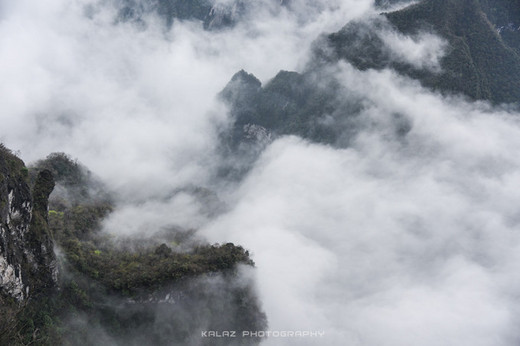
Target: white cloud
(423, 51)
(393, 241)
(134, 101)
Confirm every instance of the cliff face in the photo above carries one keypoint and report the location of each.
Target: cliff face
(27, 261)
(127, 291)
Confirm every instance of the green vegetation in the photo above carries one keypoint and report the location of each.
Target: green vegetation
(11, 165)
(115, 285)
(54, 213)
(64, 169)
(97, 270)
(122, 271)
(77, 180)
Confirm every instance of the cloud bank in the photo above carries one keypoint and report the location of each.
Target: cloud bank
(398, 239)
(395, 240)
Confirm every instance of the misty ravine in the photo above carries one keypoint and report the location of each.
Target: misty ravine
(263, 172)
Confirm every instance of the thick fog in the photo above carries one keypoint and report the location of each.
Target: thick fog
(398, 239)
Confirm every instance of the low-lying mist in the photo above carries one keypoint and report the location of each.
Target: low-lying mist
(401, 237)
(396, 239)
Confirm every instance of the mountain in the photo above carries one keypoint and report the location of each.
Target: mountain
(120, 291)
(481, 61)
(168, 9)
(63, 280)
(28, 265)
(27, 261)
(285, 104)
(213, 15)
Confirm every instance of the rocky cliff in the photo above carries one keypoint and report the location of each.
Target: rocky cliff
(27, 261)
(131, 291)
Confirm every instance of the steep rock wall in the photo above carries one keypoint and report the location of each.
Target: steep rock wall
(27, 261)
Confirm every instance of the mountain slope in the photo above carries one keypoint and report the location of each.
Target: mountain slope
(480, 62)
(116, 291)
